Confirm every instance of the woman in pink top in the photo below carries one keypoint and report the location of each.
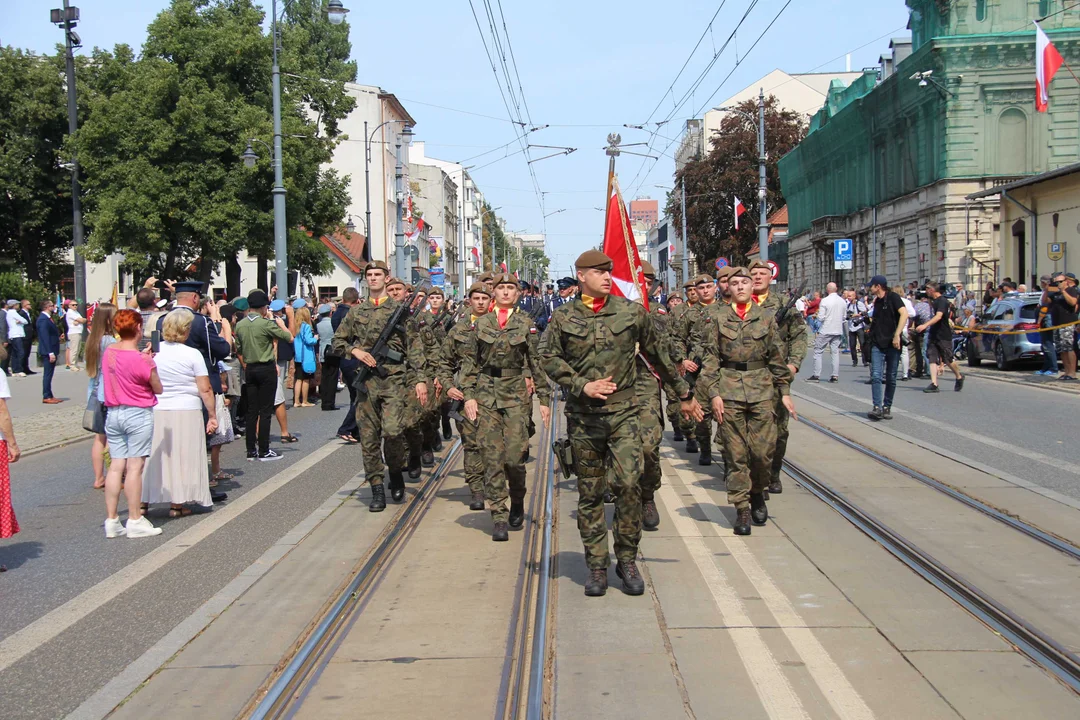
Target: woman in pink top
(131, 387)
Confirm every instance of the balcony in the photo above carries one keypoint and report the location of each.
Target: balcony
(828, 227)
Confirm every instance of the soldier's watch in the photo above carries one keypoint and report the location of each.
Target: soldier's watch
(689, 395)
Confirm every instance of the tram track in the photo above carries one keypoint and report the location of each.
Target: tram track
(1034, 642)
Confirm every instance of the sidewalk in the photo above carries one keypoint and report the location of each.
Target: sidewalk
(41, 427)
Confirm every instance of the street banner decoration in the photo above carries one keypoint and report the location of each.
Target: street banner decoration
(438, 276)
(435, 245)
(627, 276)
(1047, 62)
(740, 209)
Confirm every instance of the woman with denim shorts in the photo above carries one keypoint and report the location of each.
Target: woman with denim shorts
(131, 388)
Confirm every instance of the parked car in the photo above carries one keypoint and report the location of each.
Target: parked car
(1014, 311)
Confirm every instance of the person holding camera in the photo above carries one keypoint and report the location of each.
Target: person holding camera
(857, 311)
(1062, 296)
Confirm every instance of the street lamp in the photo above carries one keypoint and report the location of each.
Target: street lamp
(336, 12)
(763, 224)
(367, 178)
(404, 139)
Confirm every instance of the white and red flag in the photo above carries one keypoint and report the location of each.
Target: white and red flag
(1047, 62)
(415, 233)
(503, 266)
(740, 209)
(476, 255)
(627, 276)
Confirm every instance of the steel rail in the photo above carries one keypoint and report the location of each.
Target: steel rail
(1041, 649)
(1016, 524)
(284, 691)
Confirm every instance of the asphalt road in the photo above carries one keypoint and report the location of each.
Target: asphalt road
(1025, 431)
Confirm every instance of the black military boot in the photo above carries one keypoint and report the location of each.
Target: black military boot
(742, 522)
(596, 585)
(705, 458)
(632, 582)
(397, 485)
(528, 454)
(775, 487)
(650, 516)
(678, 434)
(517, 513)
(477, 501)
(414, 464)
(378, 498)
(758, 512)
(447, 432)
(436, 443)
(500, 533)
(691, 445)
(427, 459)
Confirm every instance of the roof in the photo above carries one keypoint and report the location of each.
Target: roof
(347, 247)
(779, 219)
(398, 107)
(1033, 180)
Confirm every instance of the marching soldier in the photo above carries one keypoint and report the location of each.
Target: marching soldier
(750, 373)
(703, 343)
(498, 381)
(460, 343)
(380, 412)
(440, 321)
(696, 318)
(424, 321)
(678, 337)
(590, 349)
(793, 342)
(418, 455)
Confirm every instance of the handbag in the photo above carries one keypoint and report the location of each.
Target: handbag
(93, 419)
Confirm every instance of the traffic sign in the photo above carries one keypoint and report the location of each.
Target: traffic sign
(721, 263)
(775, 267)
(1055, 251)
(843, 254)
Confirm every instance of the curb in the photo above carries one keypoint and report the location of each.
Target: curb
(55, 445)
(1047, 385)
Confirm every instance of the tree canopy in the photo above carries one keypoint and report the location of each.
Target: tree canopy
(729, 170)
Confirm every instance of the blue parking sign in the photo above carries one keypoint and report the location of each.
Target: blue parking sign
(843, 254)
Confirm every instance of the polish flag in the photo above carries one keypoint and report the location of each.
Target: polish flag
(503, 266)
(1047, 62)
(627, 276)
(476, 255)
(739, 210)
(420, 225)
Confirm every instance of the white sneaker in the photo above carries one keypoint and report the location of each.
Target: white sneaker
(114, 528)
(141, 528)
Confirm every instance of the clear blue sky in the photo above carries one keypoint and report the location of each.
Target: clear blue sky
(587, 68)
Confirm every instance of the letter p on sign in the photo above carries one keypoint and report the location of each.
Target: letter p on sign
(843, 255)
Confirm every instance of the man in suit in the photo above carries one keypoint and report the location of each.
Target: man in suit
(48, 350)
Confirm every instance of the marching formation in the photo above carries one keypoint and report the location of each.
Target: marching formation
(727, 354)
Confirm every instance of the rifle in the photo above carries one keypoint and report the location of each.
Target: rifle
(442, 317)
(782, 313)
(454, 413)
(381, 350)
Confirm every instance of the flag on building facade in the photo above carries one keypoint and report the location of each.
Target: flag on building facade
(1047, 62)
(740, 209)
(476, 255)
(414, 234)
(627, 276)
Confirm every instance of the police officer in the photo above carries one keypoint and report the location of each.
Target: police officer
(750, 373)
(590, 350)
(381, 411)
(793, 342)
(498, 381)
(460, 343)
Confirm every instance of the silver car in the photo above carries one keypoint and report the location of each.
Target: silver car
(1014, 311)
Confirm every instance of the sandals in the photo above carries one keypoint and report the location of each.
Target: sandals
(290, 438)
(144, 508)
(182, 511)
(219, 477)
(349, 439)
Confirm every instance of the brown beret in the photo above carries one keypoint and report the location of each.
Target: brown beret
(504, 279)
(648, 270)
(703, 279)
(758, 264)
(485, 277)
(689, 285)
(377, 265)
(436, 291)
(591, 259)
(395, 281)
(724, 272)
(741, 272)
(478, 287)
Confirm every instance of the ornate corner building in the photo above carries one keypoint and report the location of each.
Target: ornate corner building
(890, 159)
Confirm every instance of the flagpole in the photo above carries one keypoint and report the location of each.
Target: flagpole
(613, 152)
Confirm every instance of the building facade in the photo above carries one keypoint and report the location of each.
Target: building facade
(645, 211)
(890, 160)
(435, 198)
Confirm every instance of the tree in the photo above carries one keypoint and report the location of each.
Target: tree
(165, 183)
(730, 169)
(35, 190)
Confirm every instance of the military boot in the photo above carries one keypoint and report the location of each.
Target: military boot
(477, 501)
(596, 585)
(705, 458)
(632, 582)
(436, 443)
(742, 522)
(447, 432)
(691, 445)
(758, 512)
(677, 437)
(427, 459)
(378, 498)
(500, 533)
(414, 464)
(650, 516)
(776, 487)
(517, 513)
(397, 485)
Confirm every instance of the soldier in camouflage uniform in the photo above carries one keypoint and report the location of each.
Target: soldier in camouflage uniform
(381, 413)
(702, 342)
(589, 349)
(461, 343)
(442, 318)
(696, 320)
(498, 381)
(678, 338)
(749, 373)
(424, 319)
(414, 412)
(793, 342)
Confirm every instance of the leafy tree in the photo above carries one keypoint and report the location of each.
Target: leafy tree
(731, 169)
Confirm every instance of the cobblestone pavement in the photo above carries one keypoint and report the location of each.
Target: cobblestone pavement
(39, 426)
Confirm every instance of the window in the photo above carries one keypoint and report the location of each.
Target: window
(327, 292)
(1044, 8)
(980, 10)
(1029, 312)
(901, 263)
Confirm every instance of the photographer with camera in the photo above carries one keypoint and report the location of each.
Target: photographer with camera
(857, 315)
(1062, 298)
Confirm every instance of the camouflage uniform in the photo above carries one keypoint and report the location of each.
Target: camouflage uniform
(697, 320)
(793, 346)
(461, 343)
(382, 413)
(495, 377)
(703, 345)
(748, 426)
(417, 415)
(578, 347)
(647, 388)
(677, 350)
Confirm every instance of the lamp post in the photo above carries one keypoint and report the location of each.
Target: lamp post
(368, 139)
(401, 263)
(66, 18)
(336, 14)
(763, 224)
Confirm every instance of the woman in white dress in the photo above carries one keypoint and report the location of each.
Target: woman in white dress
(176, 471)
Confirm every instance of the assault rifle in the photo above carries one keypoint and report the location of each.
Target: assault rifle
(455, 413)
(445, 319)
(794, 298)
(381, 350)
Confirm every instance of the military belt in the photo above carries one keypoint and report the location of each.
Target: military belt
(503, 372)
(621, 396)
(744, 366)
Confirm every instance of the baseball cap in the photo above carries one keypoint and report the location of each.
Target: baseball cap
(878, 280)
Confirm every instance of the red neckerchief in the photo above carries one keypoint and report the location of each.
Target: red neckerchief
(742, 309)
(758, 299)
(594, 304)
(504, 315)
